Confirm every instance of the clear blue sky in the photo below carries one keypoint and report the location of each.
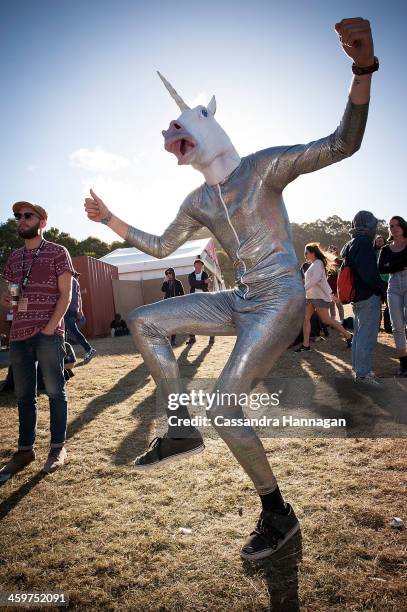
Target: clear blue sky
(82, 105)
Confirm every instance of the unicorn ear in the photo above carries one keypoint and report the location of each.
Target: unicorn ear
(212, 106)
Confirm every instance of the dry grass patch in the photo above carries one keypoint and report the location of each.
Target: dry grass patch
(110, 538)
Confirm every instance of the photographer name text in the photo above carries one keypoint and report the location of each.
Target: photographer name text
(263, 421)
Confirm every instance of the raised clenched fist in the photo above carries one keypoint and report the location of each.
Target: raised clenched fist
(356, 39)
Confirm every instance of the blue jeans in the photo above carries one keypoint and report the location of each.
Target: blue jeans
(48, 352)
(72, 327)
(365, 330)
(397, 299)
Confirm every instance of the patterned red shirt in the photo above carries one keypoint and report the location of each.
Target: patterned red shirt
(41, 290)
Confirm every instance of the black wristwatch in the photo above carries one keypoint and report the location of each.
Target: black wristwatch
(359, 70)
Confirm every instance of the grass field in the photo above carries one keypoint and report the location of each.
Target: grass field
(110, 538)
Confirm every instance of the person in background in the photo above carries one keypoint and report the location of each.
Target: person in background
(359, 254)
(198, 283)
(379, 242)
(42, 271)
(69, 361)
(73, 315)
(393, 261)
(119, 326)
(333, 283)
(318, 296)
(172, 287)
(316, 325)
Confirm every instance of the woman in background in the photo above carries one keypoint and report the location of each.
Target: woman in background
(318, 295)
(393, 261)
(379, 242)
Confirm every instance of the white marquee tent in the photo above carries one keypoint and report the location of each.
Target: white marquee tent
(133, 264)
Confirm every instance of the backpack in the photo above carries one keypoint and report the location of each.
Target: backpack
(346, 282)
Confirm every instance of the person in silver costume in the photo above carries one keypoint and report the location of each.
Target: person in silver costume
(241, 203)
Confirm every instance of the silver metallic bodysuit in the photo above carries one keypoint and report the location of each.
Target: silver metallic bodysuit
(247, 215)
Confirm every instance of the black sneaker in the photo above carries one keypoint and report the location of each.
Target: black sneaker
(163, 450)
(272, 532)
(302, 349)
(89, 355)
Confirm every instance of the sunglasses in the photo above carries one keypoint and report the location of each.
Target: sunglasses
(26, 215)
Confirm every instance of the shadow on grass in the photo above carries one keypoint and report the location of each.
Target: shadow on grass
(369, 411)
(193, 365)
(125, 387)
(14, 499)
(146, 412)
(384, 358)
(328, 392)
(280, 573)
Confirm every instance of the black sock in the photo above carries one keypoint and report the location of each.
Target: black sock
(274, 501)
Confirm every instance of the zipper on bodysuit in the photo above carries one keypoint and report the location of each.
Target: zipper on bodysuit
(237, 240)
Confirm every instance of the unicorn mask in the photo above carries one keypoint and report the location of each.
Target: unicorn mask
(197, 139)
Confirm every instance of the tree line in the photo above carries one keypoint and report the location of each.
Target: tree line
(332, 230)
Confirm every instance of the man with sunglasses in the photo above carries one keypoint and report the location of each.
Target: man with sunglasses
(43, 272)
(198, 283)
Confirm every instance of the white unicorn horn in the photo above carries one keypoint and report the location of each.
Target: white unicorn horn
(180, 102)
